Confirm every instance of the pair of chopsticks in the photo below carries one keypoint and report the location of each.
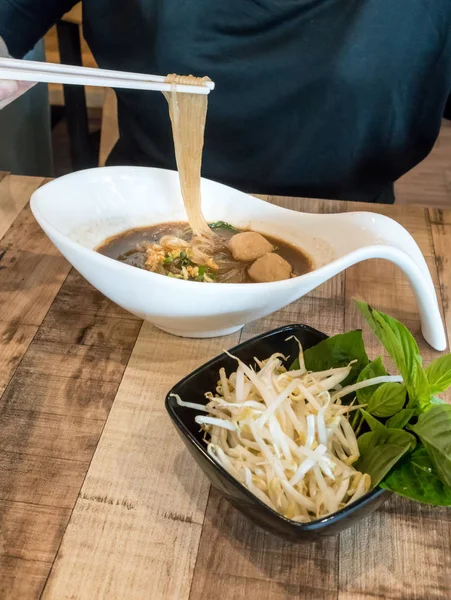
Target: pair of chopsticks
(42, 72)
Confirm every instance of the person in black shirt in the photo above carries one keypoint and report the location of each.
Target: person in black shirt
(321, 98)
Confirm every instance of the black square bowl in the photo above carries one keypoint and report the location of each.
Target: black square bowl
(192, 389)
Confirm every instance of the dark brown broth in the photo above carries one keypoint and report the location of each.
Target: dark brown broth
(126, 247)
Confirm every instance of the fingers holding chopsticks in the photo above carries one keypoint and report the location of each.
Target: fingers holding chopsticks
(10, 90)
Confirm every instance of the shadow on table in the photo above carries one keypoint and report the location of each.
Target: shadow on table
(232, 546)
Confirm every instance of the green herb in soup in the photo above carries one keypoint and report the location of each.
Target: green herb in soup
(231, 256)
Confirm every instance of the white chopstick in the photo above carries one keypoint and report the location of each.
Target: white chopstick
(25, 70)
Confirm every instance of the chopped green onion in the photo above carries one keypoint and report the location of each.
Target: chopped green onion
(223, 225)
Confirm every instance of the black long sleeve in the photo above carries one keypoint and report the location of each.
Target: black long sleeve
(314, 98)
(24, 22)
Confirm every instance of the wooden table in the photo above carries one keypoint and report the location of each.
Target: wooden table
(98, 497)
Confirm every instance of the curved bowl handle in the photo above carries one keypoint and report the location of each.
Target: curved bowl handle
(431, 320)
(365, 235)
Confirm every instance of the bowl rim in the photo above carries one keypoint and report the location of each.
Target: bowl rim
(285, 284)
(179, 423)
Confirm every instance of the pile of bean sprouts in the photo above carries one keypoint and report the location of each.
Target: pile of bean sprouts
(286, 436)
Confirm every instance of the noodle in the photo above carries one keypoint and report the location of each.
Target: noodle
(171, 249)
(198, 253)
(188, 114)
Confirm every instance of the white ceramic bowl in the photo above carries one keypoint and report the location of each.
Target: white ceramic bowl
(80, 210)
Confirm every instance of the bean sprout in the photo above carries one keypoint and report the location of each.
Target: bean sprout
(285, 435)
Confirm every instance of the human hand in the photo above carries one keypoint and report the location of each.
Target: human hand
(10, 90)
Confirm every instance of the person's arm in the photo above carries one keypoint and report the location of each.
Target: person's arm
(24, 22)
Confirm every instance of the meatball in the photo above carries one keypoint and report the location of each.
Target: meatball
(270, 267)
(248, 246)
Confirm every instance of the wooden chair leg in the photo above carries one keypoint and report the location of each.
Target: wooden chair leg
(110, 130)
(81, 147)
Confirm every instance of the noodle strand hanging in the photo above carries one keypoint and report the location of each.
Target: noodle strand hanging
(201, 252)
(188, 113)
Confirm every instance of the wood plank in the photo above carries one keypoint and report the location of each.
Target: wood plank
(22, 579)
(89, 330)
(399, 553)
(78, 297)
(32, 272)
(247, 562)
(51, 417)
(30, 269)
(77, 361)
(50, 435)
(401, 533)
(29, 538)
(441, 232)
(14, 194)
(239, 561)
(109, 133)
(143, 492)
(42, 480)
(58, 395)
(14, 341)
(438, 216)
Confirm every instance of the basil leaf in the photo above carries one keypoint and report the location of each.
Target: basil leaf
(380, 450)
(382, 435)
(373, 423)
(439, 374)
(379, 462)
(415, 477)
(373, 369)
(367, 441)
(388, 399)
(401, 419)
(294, 365)
(434, 430)
(403, 349)
(338, 351)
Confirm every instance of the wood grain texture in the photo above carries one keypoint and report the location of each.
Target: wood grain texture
(109, 133)
(54, 410)
(59, 373)
(143, 495)
(145, 524)
(21, 578)
(37, 543)
(32, 272)
(441, 238)
(378, 554)
(234, 559)
(30, 269)
(14, 194)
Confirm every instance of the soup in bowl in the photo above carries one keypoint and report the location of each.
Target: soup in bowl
(81, 211)
(232, 256)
